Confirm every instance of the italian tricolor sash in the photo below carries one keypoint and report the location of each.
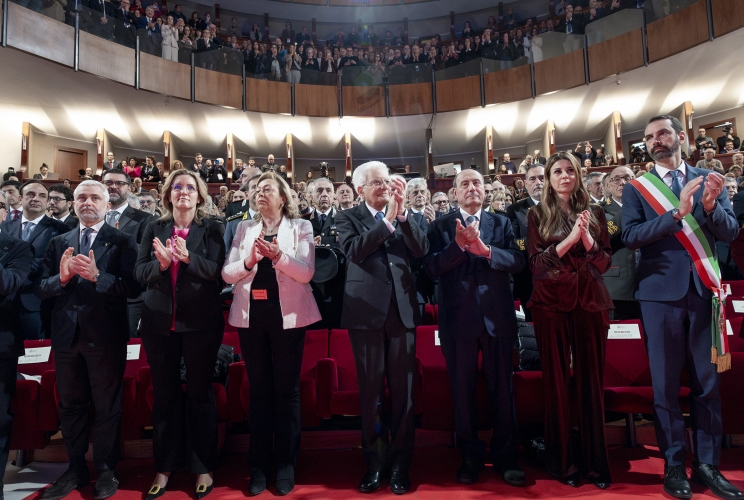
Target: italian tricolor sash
(662, 200)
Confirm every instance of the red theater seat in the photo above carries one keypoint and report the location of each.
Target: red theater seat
(731, 386)
(35, 414)
(429, 315)
(627, 380)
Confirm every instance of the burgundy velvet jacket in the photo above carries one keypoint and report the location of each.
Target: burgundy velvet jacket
(575, 280)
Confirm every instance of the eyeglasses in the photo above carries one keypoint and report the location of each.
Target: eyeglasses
(189, 188)
(145, 202)
(378, 183)
(119, 184)
(56, 199)
(440, 202)
(625, 178)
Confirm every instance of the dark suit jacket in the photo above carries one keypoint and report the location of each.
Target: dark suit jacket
(98, 310)
(574, 280)
(663, 263)
(577, 25)
(288, 36)
(378, 265)
(517, 214)
(198, 286)
(43, 233)
(327, 232)
(16, 257)
(620, 277)
(474, 292)
(96, 5)
(150, 172)
(71, 221)
(133, 221)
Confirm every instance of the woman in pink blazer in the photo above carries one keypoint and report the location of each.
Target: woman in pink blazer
(271, 262)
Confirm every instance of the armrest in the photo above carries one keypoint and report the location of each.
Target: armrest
(48, 413)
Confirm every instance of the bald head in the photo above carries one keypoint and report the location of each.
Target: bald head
(618, 178)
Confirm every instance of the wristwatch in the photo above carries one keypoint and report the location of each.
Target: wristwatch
(95, 278)
(676, 215)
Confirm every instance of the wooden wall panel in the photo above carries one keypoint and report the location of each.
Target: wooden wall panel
(462, 93)
(343, 3)
(106, 59)
(558, 73)
(411, 99)
(616, 55)
(509, 85)
(267, 97)
(153, 71)
(728, 16)
(218, 88)
(677, 32)
(40, 35)
(383, 2)
(316, 100)
(310, 2)
(364, 101)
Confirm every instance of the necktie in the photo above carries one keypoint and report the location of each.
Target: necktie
(676, 185)
(471, 219)
(569, 28)
(112, 217)
(15, 214)
(28, 228)
(322, 219)
(379, 216)
(85, 241)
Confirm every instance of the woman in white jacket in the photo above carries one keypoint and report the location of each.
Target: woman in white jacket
(169, 32)
(271, 262)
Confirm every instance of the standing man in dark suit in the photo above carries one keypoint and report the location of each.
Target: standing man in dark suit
(241, 206)
(89, 272)
(381, 313)
(423, 215)
(37, 229)
(16, 258)
(472, 253)
(12, 199)
(324, 217)
(620, 278)
(517, 214)
(675, 304)
(110, 163)
(130, 221)
(60, 203)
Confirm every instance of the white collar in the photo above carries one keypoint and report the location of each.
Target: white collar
(536, 202)
(330, 210)
(96, 228)
(662, 171)
(465, 215)
(120, 209)
(373, 211)
(35, 221)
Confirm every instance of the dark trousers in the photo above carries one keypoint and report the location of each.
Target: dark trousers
(625, 309)
(461, 355)
(678, 334)
(559, 334)
(30, 323)
(8, 375)
(388, 353)
(184, 426)
(86, 374)
(134, 312)
(273, 360)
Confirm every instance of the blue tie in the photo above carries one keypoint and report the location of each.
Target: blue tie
(28, 228)
(379, 216)
(85, 241)
(676, 185)
(471, 219)
(322, 219)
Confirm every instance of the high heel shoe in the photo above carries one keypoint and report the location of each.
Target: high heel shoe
(155, 491)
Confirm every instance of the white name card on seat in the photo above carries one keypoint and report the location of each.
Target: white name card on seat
(133, 351)
(35, 355)
(738, 306)
(520, 313)
(729, 330)
(624, 331)
(436, 337)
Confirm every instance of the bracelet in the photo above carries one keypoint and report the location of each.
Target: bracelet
(277, 257)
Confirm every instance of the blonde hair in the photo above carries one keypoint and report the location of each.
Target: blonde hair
(549, 211)
(201, 188)
(289, 208)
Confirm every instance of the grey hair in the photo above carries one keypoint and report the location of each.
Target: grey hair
(91, 182)
(437, 194)
(413, 183)
(361, 173)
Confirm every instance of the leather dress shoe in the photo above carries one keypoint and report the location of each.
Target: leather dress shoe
(513, 475)
(72, 479)
(258, 482)
(285, 479)
(574, 480)
(468, 471)
(371, 480)
(399, 482)
(599, 482)
(106, 485)
(676, 483)
(710, 476)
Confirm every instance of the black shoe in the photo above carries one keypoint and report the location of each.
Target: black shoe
(370, 481)
(72, 479)
(258, 482)
(106, 485)
(675, 482)
(513, 475)
(710, 476)
(599, 482)
(574, 480)
(155, 491)
(468, 471)
(399, 482)
(285, 481)
(201, 490)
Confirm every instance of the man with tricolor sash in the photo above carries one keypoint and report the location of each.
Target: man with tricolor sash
(673, 216)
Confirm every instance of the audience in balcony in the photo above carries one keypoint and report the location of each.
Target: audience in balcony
(571, 24)
(256, 35)
(708, 161)
(170, 40)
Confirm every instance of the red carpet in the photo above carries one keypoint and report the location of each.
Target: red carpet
(333, 474)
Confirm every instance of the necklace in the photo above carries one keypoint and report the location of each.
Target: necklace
(268, 231)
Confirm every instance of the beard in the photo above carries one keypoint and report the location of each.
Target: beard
(665, 152)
